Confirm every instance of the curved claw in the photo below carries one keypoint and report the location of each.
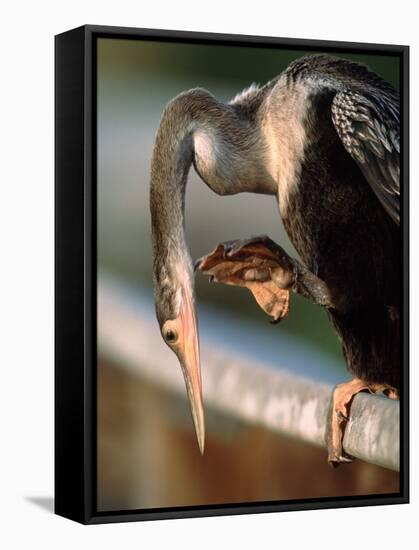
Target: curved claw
(336, 460)
(197, 263)
(341, 417)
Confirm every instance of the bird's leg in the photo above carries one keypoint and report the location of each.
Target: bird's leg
(310, 286)
(342, 397)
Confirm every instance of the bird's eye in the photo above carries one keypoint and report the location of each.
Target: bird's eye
(170, 336)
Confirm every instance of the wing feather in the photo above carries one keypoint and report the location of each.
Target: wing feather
(368, 127)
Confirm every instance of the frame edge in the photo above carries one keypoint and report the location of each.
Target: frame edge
(69, 275)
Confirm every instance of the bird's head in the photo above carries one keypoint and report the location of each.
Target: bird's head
(175, 311)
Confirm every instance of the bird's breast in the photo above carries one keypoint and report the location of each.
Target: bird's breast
(284, 135)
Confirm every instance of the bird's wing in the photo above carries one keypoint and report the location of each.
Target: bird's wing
(369, 130)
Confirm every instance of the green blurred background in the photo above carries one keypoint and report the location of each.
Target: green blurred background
(135, 80)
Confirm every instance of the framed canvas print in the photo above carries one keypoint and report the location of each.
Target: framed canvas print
(276, 169)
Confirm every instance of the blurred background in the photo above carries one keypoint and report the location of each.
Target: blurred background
(147, 452)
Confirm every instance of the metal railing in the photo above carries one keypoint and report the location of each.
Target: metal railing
(255, 392)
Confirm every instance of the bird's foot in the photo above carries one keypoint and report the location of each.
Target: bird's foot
(258, 264)
(268, 271)
(342, 397)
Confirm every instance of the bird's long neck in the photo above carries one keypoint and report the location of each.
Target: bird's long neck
(225, 148)
(171, 161)
(172, 158)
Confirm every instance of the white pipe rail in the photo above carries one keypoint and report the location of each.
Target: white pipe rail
(255, 392)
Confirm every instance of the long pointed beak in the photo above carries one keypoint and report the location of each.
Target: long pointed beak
(190, 363)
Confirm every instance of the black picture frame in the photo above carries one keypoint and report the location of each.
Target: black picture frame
(75, 274)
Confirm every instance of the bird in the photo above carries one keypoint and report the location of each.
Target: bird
(323, 138)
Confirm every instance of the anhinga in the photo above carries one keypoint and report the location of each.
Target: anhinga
(323, 137)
